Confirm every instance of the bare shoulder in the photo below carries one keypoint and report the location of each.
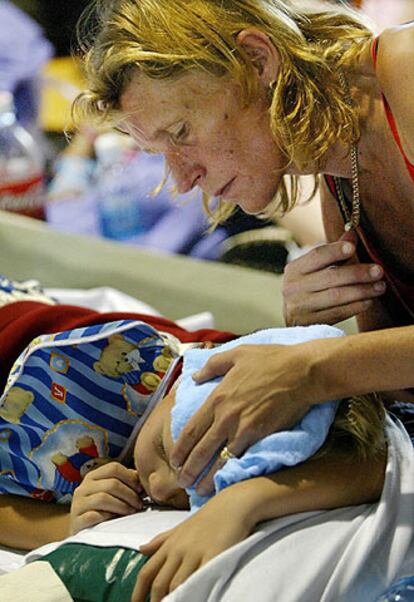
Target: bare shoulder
(396, 50)
(395, 72)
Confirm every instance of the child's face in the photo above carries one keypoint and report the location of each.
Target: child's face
(152, 451)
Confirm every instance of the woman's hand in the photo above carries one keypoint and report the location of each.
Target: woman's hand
(108, 491)
(266, 388)
(328, 284)
(178, 553)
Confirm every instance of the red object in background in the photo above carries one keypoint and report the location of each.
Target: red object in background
(22, 163)
(25, 197)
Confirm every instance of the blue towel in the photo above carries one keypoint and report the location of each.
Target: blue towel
(285, 448)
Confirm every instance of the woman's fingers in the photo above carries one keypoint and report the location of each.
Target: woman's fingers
(341, 296)
(337, 314)
(217, 365)
(313, 284)
(199, 457)
(321, 257)
(334, 276)
(206, 484)
(222, 420)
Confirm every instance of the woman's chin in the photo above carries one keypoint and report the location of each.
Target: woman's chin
(254, 207)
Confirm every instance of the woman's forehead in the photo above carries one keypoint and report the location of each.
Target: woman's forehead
(148, 100)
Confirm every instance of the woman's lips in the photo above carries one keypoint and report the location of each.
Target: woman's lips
(223, 191)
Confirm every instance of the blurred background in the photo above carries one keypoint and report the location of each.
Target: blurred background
(99, 184)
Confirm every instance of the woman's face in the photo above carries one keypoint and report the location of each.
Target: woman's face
(208, 138)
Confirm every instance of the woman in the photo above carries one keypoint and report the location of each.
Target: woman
(236, 94)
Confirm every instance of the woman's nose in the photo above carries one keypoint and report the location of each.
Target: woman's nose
(186, 174)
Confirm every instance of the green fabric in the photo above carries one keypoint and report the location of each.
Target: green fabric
(95, 574)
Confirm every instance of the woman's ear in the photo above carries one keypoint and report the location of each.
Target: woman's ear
(262, 52)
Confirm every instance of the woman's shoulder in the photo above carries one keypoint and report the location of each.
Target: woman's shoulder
(395, 44)
(395, 73)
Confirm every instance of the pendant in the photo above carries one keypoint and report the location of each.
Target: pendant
(348, 226)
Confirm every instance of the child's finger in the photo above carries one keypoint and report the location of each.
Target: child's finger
(122, 492)
(110, 486)
(88, 519)
(115, 470)
(105, 502)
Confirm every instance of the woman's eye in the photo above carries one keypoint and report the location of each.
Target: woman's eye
(182, 134)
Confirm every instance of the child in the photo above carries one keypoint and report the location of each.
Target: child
(358, 430)
(82, 386)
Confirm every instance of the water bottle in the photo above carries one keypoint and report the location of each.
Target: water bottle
(118, 208)
(22, 181)
(400, 591)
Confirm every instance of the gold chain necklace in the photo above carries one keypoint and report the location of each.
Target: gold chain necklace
(352, 220)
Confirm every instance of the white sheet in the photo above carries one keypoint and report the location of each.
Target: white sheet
(346, 555)
(107, 299)
(10, 560)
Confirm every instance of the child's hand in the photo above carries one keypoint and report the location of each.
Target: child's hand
(108, 491)
(179, 552)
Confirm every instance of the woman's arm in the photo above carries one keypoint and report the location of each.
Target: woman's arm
(231, 516)
(28, 523)
(380, 360)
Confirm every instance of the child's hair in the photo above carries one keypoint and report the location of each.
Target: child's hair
(167, 38)
(358, 429)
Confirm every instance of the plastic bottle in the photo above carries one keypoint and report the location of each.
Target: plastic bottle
(400, 591)
(22, 181)
(118, 209)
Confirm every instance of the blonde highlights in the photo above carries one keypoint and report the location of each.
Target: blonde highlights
(167, 38)
(358, 429)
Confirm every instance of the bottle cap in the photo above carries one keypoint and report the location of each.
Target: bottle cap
(110, 147)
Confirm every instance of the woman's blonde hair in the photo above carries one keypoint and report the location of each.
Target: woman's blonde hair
(163, 39)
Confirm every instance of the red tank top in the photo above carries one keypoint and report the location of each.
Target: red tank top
(399, 298)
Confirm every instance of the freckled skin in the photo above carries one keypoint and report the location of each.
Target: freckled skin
(225, 140)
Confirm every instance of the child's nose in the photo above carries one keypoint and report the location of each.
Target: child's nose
(161, 488)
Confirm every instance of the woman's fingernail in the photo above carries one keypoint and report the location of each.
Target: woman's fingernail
(379, 287)
(375, 271)
(347, 248)
(184, 481)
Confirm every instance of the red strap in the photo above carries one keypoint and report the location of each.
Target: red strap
(401, 291)
(374, 50)
(393, 126)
